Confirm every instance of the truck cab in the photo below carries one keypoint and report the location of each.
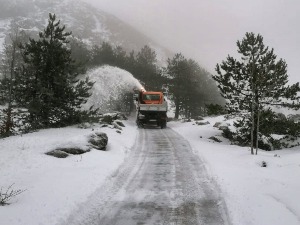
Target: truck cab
(151, 97)
(151, 108)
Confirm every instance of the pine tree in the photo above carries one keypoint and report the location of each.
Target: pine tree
(103, 55)
(178, 77)
(80, 53)
(130, 63)
(120, 57)
(48, 85)
(254, 82)
(146, 68)
(190, 86)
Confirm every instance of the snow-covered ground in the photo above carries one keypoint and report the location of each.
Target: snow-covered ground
(255, 195)
(53, 187)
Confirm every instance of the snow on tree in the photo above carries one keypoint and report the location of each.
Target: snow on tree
(47, 80)
(255, 82)
(11, 60)
(190, 86)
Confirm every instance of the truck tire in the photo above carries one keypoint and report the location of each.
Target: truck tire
(139, 124)
(163, 125)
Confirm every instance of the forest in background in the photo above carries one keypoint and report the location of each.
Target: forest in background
(40, 75)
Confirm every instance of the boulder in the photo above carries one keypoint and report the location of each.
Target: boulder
(65, 152)
(199, 118)
(118, 125)
(217, 124)
(73, 151)
(202, 123)
(57, 154)
(108, 118)
(98, 140)
(215, 139)
(221, 125)
(85, 125)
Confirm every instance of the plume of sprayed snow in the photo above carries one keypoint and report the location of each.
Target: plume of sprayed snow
(111, 83)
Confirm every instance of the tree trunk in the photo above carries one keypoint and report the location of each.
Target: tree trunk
(8, 122)
(257, 114)
(252, 127)
(254, 106)
(253, 113)
(257, 129)
(176, 109)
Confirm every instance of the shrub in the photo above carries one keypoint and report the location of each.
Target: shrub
(271, 123)
(214, 109)
(8, 194)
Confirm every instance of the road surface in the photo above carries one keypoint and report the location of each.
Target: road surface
(162, 182)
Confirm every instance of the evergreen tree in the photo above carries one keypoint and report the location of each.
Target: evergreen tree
(103, 55)
(80, 53)
(130, 63)
(120, 57)
(199, 90)
(48, 86)
(178, 77)
(96, 56)
(190, 86)
(107, 54)
(214, 109)
(146, 68)
(255, 81)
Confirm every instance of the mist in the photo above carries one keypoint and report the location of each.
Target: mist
(207, 30)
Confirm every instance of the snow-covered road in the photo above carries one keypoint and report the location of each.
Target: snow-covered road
(152, 172)
(161, 182)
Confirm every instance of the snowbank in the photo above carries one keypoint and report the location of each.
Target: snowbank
(255, 195)
(55, 186)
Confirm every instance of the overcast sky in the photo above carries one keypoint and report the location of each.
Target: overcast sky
(207, 30)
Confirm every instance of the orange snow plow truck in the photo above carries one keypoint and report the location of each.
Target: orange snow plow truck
(151, 109)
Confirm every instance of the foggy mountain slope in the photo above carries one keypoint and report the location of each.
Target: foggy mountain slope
(86, 22)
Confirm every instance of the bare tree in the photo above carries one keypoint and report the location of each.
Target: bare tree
(10, 62)
(8, 194)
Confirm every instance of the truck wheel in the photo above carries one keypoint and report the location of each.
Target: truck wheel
(139, 124)
(163, 125)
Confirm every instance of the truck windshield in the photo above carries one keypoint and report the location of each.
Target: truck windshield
(151, 97)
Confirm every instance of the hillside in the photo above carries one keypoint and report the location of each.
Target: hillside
(91, 25)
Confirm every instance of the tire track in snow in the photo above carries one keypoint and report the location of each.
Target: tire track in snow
(161, 182)
(285, 206)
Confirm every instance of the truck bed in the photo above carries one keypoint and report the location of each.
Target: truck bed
(153, 107)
